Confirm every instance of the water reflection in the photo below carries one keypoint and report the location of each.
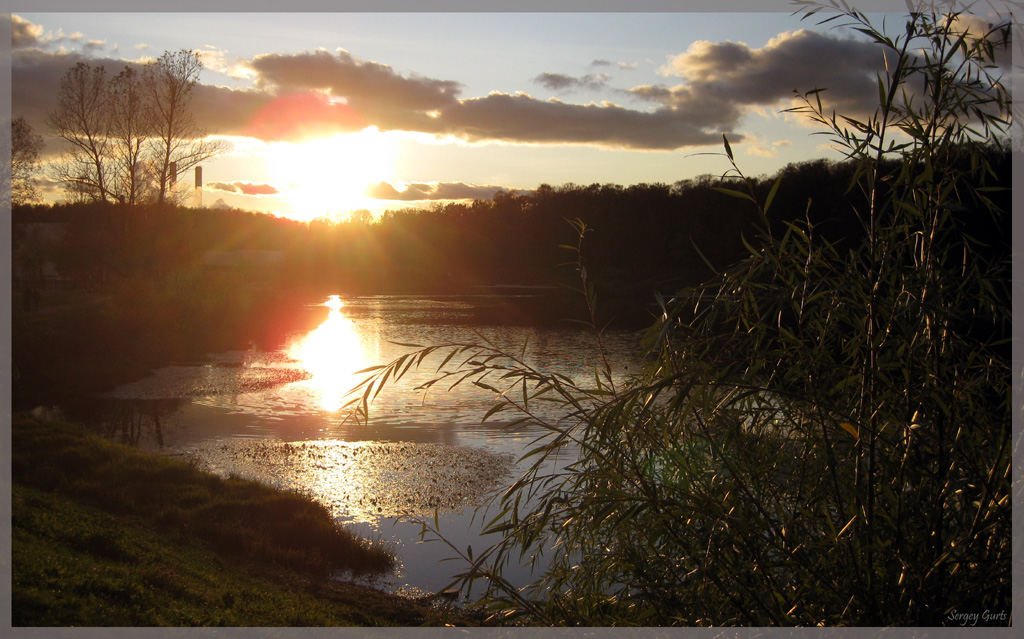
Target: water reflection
(136, 422)
(278, 416)
(331, 353)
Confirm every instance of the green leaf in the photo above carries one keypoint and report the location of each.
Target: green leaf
(369, 369)
(733, 193)
(494, 410)
(486, 387)
(771, 194)
(408, 345)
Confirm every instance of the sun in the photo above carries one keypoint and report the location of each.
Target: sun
(328, 176)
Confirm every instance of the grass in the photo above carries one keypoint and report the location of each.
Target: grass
(103, 535)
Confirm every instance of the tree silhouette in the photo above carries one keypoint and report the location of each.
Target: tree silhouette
(129, 128)
(81, 119)
(178, 141)
(25, 149)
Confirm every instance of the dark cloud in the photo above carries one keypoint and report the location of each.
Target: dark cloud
(36, 76)
(521, 118)
(364, 84)
(297, 95)
(608, 63)
(227, 111)
(94, 46)
(35, 81)
(731, 73)
(24, 33)
(655, 93)
(245, 188)
(975, 27)
(390, 101)
(432, 191)
(555, 81)
(560, 82)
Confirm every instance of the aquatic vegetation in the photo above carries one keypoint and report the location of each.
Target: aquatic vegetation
(363, 481)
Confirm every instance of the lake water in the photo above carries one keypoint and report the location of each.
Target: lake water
(280, 416)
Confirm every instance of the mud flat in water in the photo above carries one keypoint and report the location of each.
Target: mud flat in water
(230, 374)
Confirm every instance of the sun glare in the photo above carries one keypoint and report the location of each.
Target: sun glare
(329, 176)
(331, 354)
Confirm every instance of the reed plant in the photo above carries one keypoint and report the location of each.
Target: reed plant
(822, 436)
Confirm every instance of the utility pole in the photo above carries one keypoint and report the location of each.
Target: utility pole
(199, 187)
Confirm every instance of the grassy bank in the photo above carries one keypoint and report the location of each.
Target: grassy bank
(105, 535)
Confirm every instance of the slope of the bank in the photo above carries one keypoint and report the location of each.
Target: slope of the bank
(103, 535)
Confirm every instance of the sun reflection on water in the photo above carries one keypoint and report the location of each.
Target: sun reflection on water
(331, 353)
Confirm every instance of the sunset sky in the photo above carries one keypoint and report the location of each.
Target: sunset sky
(331, 112)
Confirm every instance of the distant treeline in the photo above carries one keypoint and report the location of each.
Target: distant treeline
(111, 290)
(645, 237)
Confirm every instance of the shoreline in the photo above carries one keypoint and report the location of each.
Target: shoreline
(157, 559)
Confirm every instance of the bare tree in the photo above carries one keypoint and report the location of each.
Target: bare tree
(128, 129)
(177, 139)
(82, 119)
(25, 149)
(127, 135)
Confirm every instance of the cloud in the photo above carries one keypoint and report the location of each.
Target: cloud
(846, 68)
(366, 85)
(756, 149)
(770, 151)
(975, 26)
(296, 96)
(523, 119)
(245, 188)
(625, 66)
(94, 46)
(561, 82)
(391, 101)
(24, 33)
(35, 81)
(300, 95)
(217, 60)
(226, 111)
(36, 76)
(735, 73)
(432, 191)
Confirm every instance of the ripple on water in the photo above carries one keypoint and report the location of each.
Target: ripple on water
(366, 481)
